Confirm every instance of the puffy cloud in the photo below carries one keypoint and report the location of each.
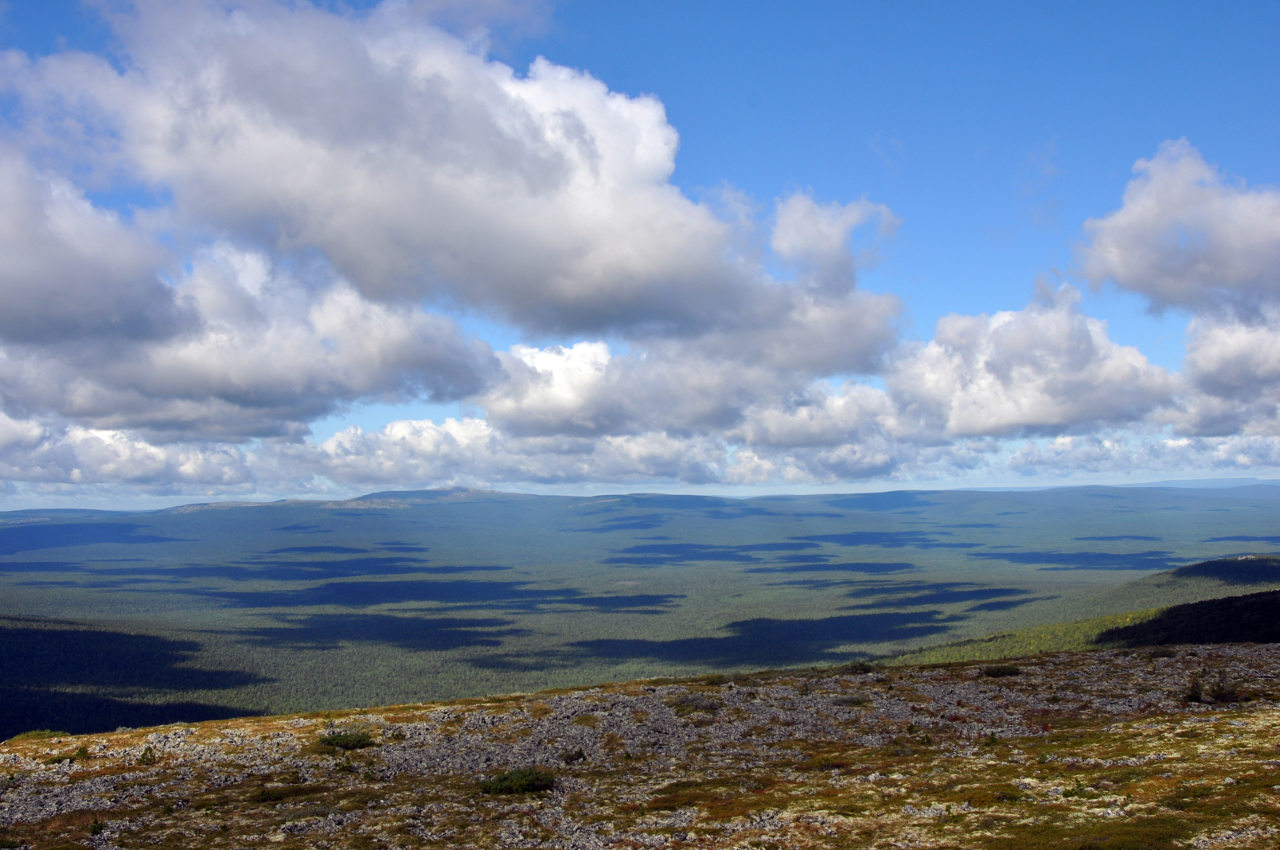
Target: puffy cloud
(816, 237)
(700, 385)
(1188, 237)
(1233, 367)
(469, 451)
(323, 181)
(83, 456)
(267, 355)
(1144, 454)
(1229, 357)
(1045, 369)
(415, 165)
(325, 196)
(17, 433)
(72, 270)
(856, 413)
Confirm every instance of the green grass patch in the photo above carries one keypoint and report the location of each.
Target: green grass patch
(1034, 640)
(525, 780)
(38, 735)
(351, 739)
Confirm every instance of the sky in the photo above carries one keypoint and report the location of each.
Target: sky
(268, 249)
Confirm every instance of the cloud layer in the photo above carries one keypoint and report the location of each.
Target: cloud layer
(256, 216)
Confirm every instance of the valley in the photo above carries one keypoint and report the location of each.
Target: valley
(112, 619)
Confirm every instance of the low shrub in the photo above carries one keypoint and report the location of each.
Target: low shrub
(996, 671)
(1206, 687)
(350, 739)
(686, 704)
(525, 780)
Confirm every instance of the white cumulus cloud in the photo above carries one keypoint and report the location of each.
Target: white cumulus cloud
(1046, 368)
(1186, 236)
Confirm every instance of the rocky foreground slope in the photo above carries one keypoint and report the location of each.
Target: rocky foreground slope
(1115, 749)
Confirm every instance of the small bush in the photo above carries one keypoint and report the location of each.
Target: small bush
(525, 780)
(1204, 687)
(148, 756)
(858, 667)
(573, 756)
(351, 739)
(278, 793)
(80, 754)
(686, 704)
(997, 671)
(1223, 688)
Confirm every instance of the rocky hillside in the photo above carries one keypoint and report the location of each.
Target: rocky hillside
(1163, 748)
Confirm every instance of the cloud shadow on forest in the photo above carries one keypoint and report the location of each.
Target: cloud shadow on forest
(56, 535)
(415, 633)
(461, 594)
(45, 658)
(873, 567)
(679, 554)
(1152, 559)
(759, 643)
(889, 539)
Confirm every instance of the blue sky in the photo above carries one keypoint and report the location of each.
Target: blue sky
(284, 249)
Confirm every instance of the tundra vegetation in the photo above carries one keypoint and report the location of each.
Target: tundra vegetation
(1101, 749)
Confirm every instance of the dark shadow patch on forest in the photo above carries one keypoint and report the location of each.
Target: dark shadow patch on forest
(663, 554)
(419, 634)
(127, 583)
(1153, 559)
(1007, 604)
(462, 594)
(305, 528)
(916, 594)
(25, 709)
(57, 535)
(869, 567)
(642, 522)
(1236, 619)
(40, 566)
(895, 501)
(1249, 569)
(318, 550)
(1111, 538)
(756, 643)
(888, 539)
(1274, 540)
(738, 512)
(678, 554)
(402, 546)
(43, 658)
(284, 569)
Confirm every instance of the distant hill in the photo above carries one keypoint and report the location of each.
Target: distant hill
(1243, 569)
(1253, 618)
(1205, 602)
